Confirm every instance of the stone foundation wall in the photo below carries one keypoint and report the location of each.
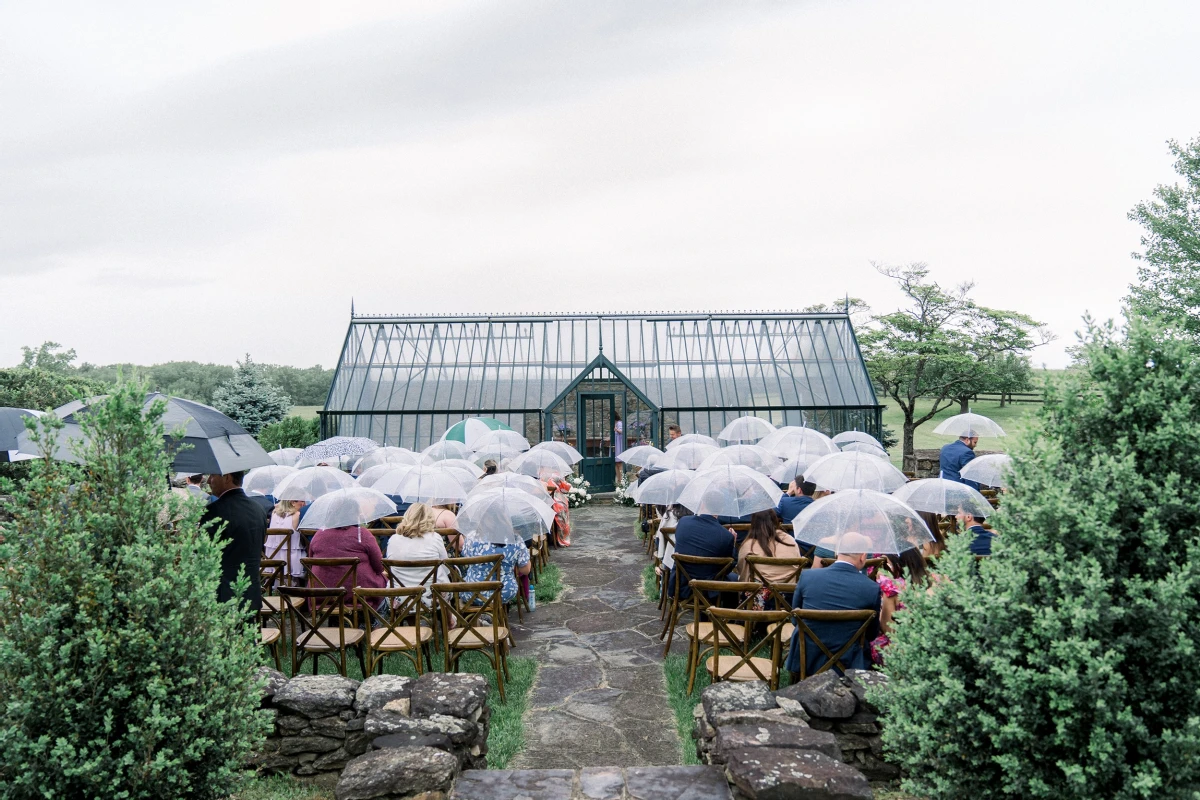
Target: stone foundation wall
(929, 462)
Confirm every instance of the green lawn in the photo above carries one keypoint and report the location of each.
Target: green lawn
(1014, 418)
(308, 412)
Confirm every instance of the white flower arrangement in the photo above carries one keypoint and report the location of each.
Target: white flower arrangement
(578, 495)
(624, 493)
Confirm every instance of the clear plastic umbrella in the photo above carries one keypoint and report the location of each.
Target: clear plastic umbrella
(386, 455)
(793, 468)
(664, 488)
(338, 446)
(344, 507)
(465, 477)
(940, 496)
(746, 429)
(424, 483)
(969, 425)
(286, 456)
(865, 447)
(842, 471)
(791, 441)
(684, 456)
(640, 456)
(510, 480)
(861, 521)
(372, 474)
(692, 438)
(730, 491)
(845, 437)
(989, 470)
(756, 458)
(510, 438)
(562, 450)
(540, 464)
(461, 464)
(313, 482)
(504, 516)
(495, 452)
(263, 480)
(446, 448)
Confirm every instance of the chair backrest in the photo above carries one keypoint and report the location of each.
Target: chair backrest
(803, 616)
(463, 607)
(270, 573)
(682, 575)
(391, 522)
(782, 594)
(794, 566)
(381, 537)
(402, 610)
(429, 565)
(448, 535)
(746, 648)
(281, 549)
(458, 566)
(746, 590)
(872, 563)
(347, 578)
(739, 527)
(311, 607)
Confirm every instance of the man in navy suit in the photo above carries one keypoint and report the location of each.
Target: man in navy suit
(957, 455)
(839, 587)
(701, 535)
(241, 524)
(797, 499)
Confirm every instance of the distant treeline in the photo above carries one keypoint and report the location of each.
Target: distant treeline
(306, 386)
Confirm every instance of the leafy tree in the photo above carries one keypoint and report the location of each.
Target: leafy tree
(48, 357)
(290, 432)
(1065, 665)
(935, 348)
(307, 387)
(1168, 283)
(42, 389)
(251, 399)
(122, 675)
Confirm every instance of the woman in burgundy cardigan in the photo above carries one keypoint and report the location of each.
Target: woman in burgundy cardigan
(349, 542)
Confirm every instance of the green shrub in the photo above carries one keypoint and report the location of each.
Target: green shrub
(122, 676)
(1066, 665)
(250, 398)
(42, 389)
(290, 432)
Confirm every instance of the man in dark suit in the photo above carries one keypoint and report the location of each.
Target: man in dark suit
(798, 498)
(242, 525)
(955, 456)
(701, 535)
(839, 587)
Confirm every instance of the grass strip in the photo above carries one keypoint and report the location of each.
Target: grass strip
(650, 583)
(682, 703)
(549, 585)
(281, 787)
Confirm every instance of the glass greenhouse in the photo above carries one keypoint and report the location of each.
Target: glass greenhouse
(405, 380)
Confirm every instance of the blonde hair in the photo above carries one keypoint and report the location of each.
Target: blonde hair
(285, 508)
(417, 521)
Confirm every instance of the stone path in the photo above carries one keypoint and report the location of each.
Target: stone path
(600, 698)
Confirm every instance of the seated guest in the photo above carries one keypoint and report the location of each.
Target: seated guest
(489, 468)
(701, 535)
(908, 568)
(767, 539)
(416, 540)
(981, 545)
(286, 516)
(515, 561)
(664, 551)
(798, 498)
(349, 541)
(839, 587)
(445, 518)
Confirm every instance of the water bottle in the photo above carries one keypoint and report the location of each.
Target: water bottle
(532, 597)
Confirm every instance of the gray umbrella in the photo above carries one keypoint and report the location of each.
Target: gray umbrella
(218, 445)
(12, 425)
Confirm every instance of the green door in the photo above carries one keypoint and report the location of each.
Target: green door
(599, 465)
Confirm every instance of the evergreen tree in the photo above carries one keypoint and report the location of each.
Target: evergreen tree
(122, 676)
(1065, 666)
(250, 398)
(290, 432)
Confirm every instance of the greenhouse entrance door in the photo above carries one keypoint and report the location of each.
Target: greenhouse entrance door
(599, 465)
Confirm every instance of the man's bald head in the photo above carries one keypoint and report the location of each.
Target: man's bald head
(852, 548)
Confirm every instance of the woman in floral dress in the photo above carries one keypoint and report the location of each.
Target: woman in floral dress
(906, 568)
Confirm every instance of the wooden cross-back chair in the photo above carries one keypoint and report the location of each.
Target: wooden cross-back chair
(458, 566)
(284, 547)
(428, 569)
(668, 540)
(473, 621)
(317, 618)
(746, 663)
(390, 522)
(794, 566)
(395, 626)
(681, 576)
(271, 574)
(801, 617)
(701, 631)
(381, 537)
(347, 579)
(449, 535)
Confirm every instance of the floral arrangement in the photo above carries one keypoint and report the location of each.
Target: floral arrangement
(578, 495)
(624, 493)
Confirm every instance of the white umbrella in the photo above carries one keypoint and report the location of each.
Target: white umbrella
(467, 476)
(497, 452)
(793, 468)
(337, 447)
(424, 483)
(865, 447)
(540, 464)
(941, 496)
(692, 438)
(386, 455)
(372, 474)
(861, 521)
(989, 470)
(511, 480)
(263, 480)
(746, 429)
(969, 425)
(509, 438)
(286, 456)
(446, 448)
(664, 488)
(684, 456)
(345, 507)
(845, 437)
(730, 491)
(309, 484)
(460, 464)
(841, 471)
(791, 441)
(504, 516)
(756, 458)
(640, 456)
(562, 450)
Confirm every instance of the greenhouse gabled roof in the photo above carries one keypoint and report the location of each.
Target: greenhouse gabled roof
(474, 364)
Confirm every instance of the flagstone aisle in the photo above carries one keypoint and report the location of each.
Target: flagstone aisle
(600, 698)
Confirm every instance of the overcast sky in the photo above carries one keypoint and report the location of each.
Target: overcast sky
(199, 180)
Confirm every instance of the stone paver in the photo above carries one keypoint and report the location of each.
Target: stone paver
(594, 783)
(600, 698)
